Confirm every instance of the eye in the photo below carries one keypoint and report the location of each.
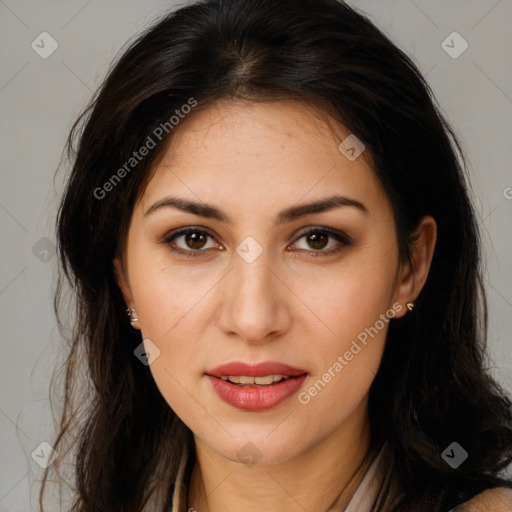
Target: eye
(318, 240)
(192, 241)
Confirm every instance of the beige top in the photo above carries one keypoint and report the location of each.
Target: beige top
(368, 488)
(361, 501)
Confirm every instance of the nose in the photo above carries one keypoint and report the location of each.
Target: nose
(255, 304)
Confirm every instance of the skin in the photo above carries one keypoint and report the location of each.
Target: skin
(497, 500)
(252, 160)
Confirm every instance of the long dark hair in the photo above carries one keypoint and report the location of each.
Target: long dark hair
(432, 387)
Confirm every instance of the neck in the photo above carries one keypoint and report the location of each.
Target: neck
(311, 481)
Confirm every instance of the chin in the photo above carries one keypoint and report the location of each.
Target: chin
(259, 449)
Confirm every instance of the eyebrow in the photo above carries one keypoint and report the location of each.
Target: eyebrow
(288, 215)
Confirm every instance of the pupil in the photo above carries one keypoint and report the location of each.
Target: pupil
(197, 240)
(315, 240)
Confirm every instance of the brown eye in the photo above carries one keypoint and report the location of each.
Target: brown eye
(195, 240)
(317, 240)
(190, 241)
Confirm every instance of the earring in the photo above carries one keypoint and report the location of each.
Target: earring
(132, 314)
(410, 305)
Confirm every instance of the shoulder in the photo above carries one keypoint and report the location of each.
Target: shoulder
(498, 499)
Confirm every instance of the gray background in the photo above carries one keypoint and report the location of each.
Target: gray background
(40, 98)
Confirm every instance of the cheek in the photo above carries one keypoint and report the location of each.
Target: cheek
(354, 306)
(170, 303)
(170, 297)
(351, 296)
(345, 368)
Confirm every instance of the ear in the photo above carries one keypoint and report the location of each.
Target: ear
(121, 278)
(413, 276)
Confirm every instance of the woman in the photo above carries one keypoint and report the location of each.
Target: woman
(269, 191)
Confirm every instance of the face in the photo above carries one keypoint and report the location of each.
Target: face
(305, 294)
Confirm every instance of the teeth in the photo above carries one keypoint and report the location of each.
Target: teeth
(266, 380)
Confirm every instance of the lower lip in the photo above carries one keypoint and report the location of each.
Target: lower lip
(255, 398)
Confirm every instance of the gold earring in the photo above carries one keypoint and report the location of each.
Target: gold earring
(410, 305)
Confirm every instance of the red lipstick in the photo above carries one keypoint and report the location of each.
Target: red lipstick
(256, 387)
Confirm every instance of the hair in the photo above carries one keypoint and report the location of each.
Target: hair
(432, 387)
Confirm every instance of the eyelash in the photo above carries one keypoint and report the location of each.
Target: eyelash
(343, 239)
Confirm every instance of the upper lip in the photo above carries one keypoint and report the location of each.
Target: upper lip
(255, 370)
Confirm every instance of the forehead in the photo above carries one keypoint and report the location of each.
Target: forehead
(240, 153)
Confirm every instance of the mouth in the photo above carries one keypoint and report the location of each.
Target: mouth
(246, 381)
(256, 387)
